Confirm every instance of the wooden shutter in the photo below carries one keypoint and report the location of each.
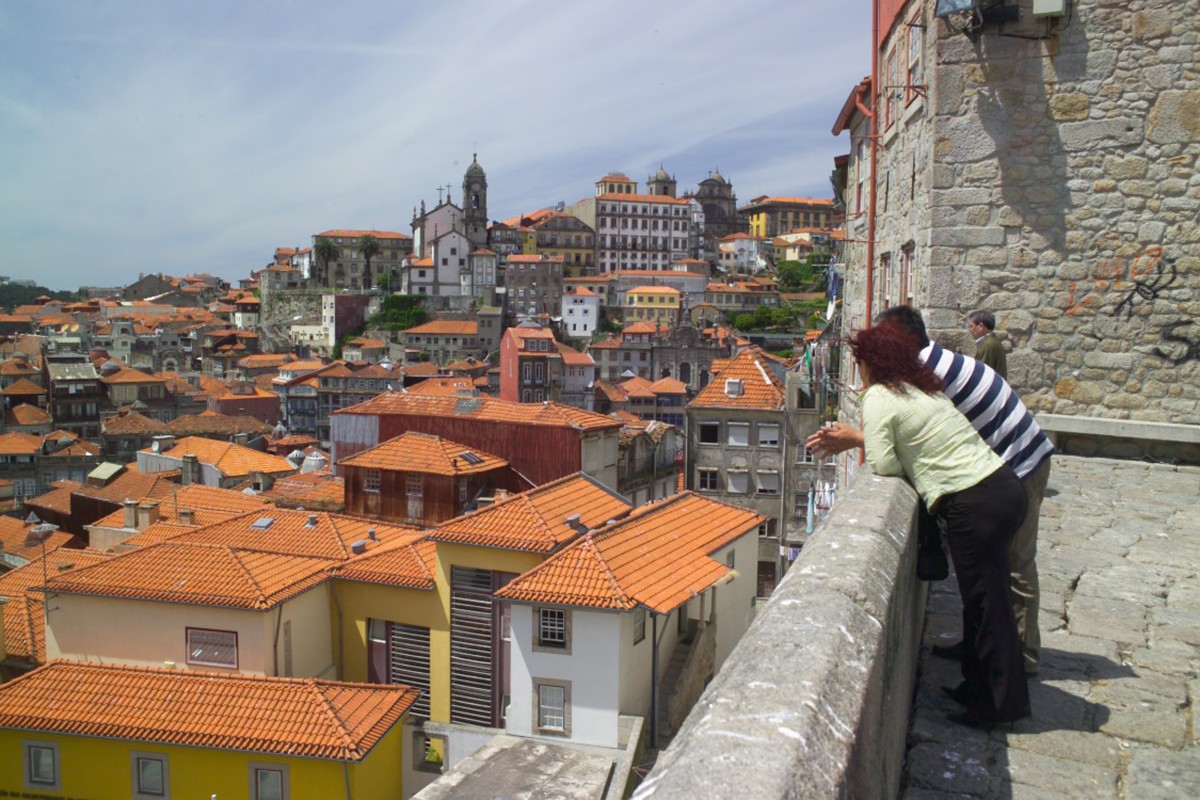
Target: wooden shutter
(408, 662)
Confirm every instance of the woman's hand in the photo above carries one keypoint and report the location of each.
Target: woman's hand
(836, 438)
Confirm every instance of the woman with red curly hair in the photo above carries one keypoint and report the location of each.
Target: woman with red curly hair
(910, 428)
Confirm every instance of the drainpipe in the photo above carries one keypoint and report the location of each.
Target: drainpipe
(346, 773)
(874, 135)
(275, 645)
(654, 679)
(339, 667)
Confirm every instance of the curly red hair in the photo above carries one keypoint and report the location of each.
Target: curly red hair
(890, 355)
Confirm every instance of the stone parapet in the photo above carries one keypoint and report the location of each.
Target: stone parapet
(814, 701)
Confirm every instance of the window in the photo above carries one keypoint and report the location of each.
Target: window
(212, 648)
(738, 433)
(150, 779)
(553, 631)
(553, 704)
(371, 480)
(737, 481)
(914, 62)
(768, 434)
(768, 482)
(708, 479)
(804, 455)
(269, 782)
(41, 766)
(639, 625)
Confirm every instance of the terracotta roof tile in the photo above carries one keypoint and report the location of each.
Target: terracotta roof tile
(23, 643)
(294, 532)
(18, 443)
(57, 499)
(14, 533)
(408, 562)
(483, 409)
(132, 423)
(151, 485)
(26, 414)
(445, 327)
(347, 233)
(657, 558)
(24, 386)
(210, 423)
(250, 713)
(209, 504)
(130, 375)
(233, 460)
(758, 389)
(536, 521)
(444, 387)
(422, 452)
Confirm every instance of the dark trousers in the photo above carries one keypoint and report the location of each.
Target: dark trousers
(980, 523)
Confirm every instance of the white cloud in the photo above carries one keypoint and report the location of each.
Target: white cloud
(135, 138)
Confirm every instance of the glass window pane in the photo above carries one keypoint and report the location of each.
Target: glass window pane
(41, 765)
(269, 784)
(150, 776)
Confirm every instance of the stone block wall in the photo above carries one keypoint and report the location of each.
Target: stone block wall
(815, 699)
(1065, 196)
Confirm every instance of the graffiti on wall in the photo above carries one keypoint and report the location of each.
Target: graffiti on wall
(1151, 273)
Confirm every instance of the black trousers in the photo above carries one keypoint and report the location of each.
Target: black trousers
(980, 523)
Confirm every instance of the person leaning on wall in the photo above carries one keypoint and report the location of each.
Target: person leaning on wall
(1002, 420)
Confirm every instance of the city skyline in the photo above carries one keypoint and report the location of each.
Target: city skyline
(139, 138)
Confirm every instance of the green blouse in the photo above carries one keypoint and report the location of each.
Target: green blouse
(926, 438)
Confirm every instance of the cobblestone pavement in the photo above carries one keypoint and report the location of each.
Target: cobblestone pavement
(1114, 703)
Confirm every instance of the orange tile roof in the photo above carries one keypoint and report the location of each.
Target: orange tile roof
(760, 388)
(445, 387)
(669, 386)
(24, 386)
(249, 713)
(667, 290)
(233, 460)
(658, 558)
(265, 360)
(536, 521)
(131, 422)
(318, 490)
(314, 534)
(17, 366)
(24, 627)
(642, 327)
(57, 499)
(210, 423)
(130, 375)
(209, 503)
(483, 409)
(151, 485)
(644, 198)
(422, 452)
(26, 414)
(407, 563)
(16, 442)
(347, 233)
(446, 327)
(15, 532)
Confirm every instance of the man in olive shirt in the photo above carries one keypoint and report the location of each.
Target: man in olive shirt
(982, 325)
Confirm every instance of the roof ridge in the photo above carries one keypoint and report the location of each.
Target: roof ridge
(339, 724)
(613, 581)
(233, 553)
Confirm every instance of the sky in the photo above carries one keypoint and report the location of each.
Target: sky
(199, 135)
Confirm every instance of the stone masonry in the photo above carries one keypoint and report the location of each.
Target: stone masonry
(1114, 704)
(1049, 173)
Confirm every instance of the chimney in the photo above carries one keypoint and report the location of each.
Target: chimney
(147, 514)
(241, 438)
(130, 513)
(187, 516)
(501, 494)
(576, 524)
(190, 471)
(484, 502)
(312, 521)
(359, 547)
(371, 535)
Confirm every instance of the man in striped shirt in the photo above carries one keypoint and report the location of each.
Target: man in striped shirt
(1002, 420)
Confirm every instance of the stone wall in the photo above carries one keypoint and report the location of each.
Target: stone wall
(1065, 195)
(814, 701)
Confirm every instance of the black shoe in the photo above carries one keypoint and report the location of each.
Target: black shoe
(950, 652)
(959, 694)
(970, 720)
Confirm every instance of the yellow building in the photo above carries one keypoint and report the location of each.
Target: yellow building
(658, 304)
(771, 216)
(99, 731)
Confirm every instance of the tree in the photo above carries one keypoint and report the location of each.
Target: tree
(369, 247)
(324, 251)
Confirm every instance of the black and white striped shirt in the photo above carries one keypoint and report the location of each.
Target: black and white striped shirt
(992, 407)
